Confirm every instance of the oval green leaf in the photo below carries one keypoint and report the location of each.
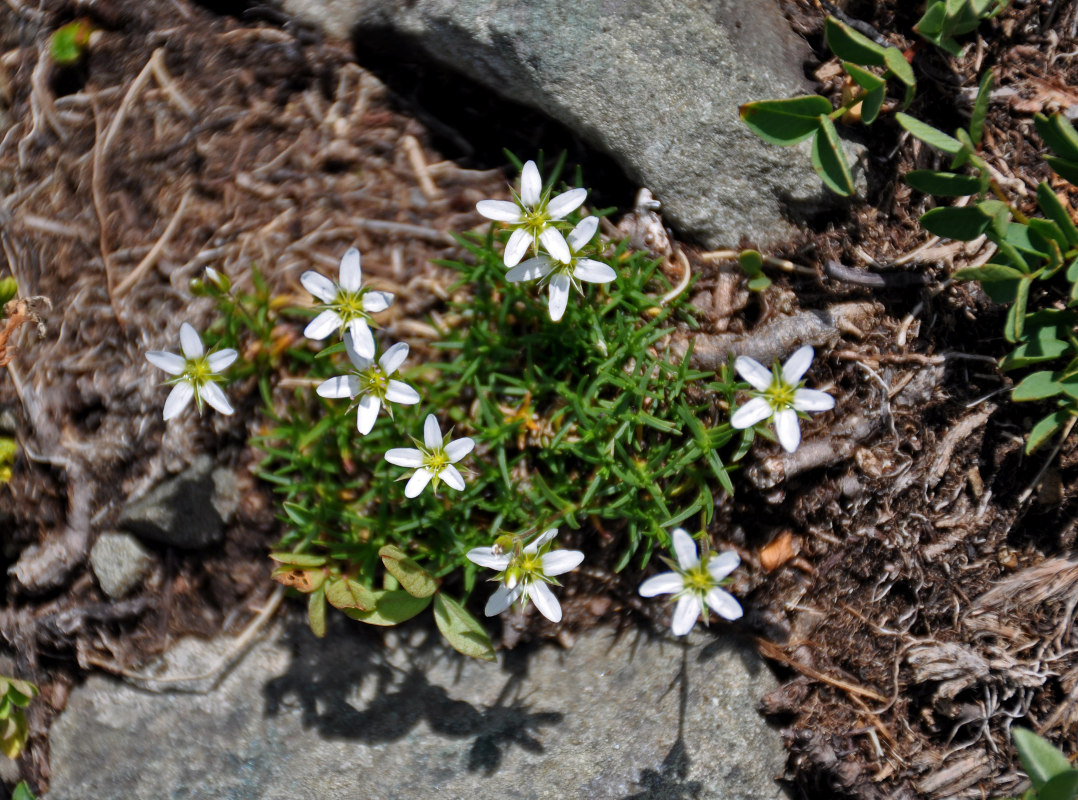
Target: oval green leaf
(751, 262)
(1041, 433)
(1038, 386)
(785, 122)
(943, 184)
(829, 159)
(963, 223)
(298, 559)
(849, 45)
(346, 593)
(929, 135)
(461, 629)
(1068, 170)
(1063, 786)
(392, 607)
(899, 66)
(1040, 758)
(316, 612)
(415, 580)
(871, 104)
(862, 77)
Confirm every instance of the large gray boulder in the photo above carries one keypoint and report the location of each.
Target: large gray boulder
(656, 84)
(616, 717)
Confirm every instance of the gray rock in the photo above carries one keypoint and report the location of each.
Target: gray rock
(119, 563)
(656, 84)
(180, 511)
(347, 717)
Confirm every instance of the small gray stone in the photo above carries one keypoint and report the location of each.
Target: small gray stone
(656, 84)
(180, 511)
(226, 493)
(617, 717)
(119, 563)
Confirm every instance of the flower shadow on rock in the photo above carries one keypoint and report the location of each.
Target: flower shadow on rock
(326, 676)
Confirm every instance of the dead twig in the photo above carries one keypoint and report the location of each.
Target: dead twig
(169, 86)
(776, 653)
(151, 257)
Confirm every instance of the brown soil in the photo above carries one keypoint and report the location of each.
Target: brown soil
(910, 577)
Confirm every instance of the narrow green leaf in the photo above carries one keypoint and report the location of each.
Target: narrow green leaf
(871, 104)
(463, 631)
(863, 78)
(980, 107)
(1037, 386)
(1063, 786)
(930, 25)
(415, 580)
(1068, 170)
(943, 184)
(897, 63)
(1034, 352)
(347, 593)
(298, 559)
(1016, 314)
(392, 607)
(1041, 433)
(316, 612)
(929, 135)
(785, 122)
(1069, 384)
(1049, 231)
(963, 223)
(1041, 760)
(829, 159)
(1055, 211)
(849, 45)
(1058, 134)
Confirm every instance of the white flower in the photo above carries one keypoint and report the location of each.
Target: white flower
(345, 305)
(530, 214)
(780, 396)
(371, 383)
(695, 584)
(195, 373)
(525, 572)
(565, 272)
(433, 461)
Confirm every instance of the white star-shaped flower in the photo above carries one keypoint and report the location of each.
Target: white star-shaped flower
(530, 215)
(780, 395)
(370, 382)
(346, 305)
(195, 374)
(525, 572)
(433, 460)
(695, 584)
(564, 273)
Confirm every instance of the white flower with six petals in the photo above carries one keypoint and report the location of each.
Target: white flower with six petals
(695, 584)
(563, 273)
(780, 395)
(525, 572)
(195, 373)
(530, 214)
(371, 383)
(433, 460)
(346, 305)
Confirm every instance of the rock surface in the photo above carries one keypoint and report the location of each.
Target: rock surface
(656, 84)
(350, 717)
(183, 511)
(119, 563)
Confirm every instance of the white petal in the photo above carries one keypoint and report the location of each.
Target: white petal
(169, 362)
(554, 243)
(530, 270)
(178, 399)
(559, 295)
(404, 457)
(373, 302)
(451, 477)
(367, 413)
(432, 434)
(797, 365)
(392, 358)
(663, 583)
(402, 393)
(813, 400)
(592, 271)
(545, 601)
(517, 246)
(351, 274)
(362, 338)
(322, 326)
(190, 342)
(566, 202)
(319, 285)
(458, 448)
(754, 372)
(686, 612)
(222, 359)
(215, 396)
(685, 549)
(499, 601)
(756, 410)
(336, 388)
(541, 539)
(788, 429)
(359, 362)
(721, 565)
(723, 604)
(485, 557)
(417, 483)
(499, 210)
(531, 185)
(557, 562)
(583, 233)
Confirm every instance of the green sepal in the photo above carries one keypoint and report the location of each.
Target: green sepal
(392, 607)
(785, 122)
(829, 159)
(413, 578)
(463, 631)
